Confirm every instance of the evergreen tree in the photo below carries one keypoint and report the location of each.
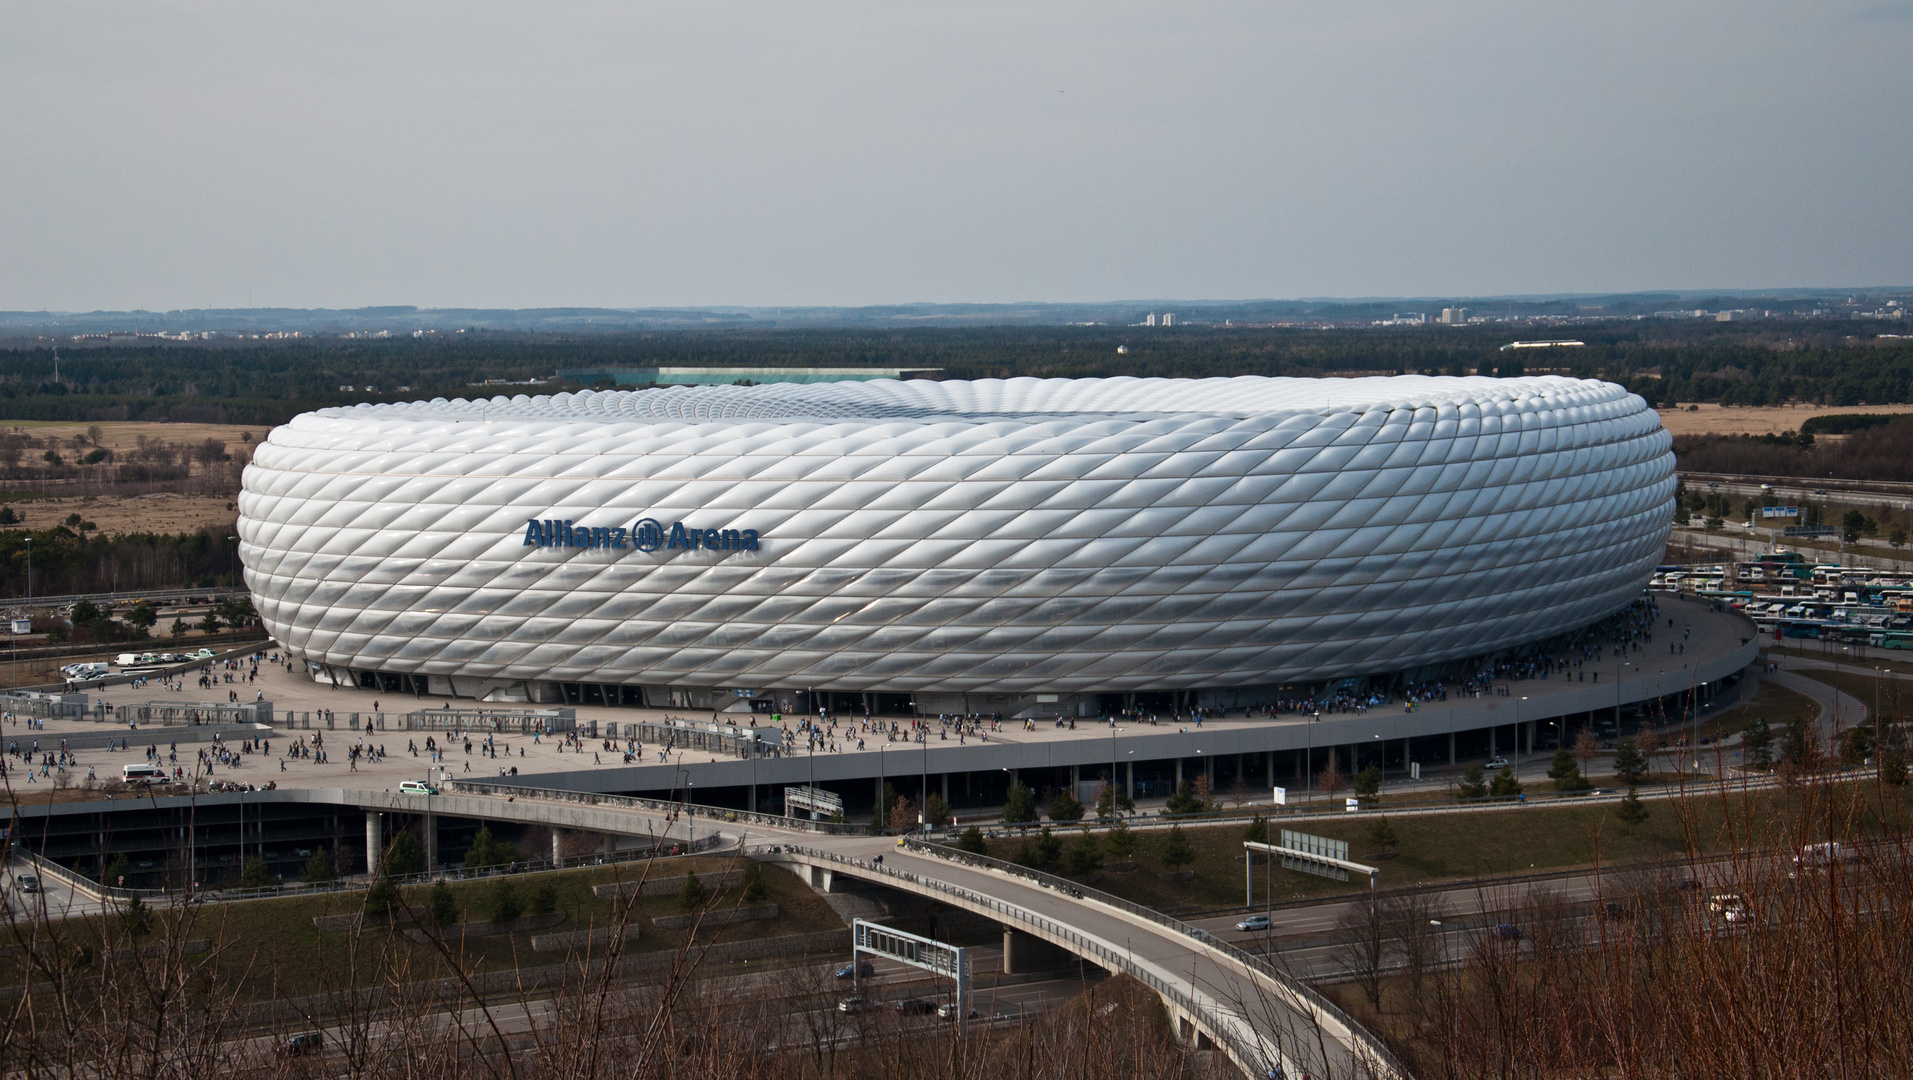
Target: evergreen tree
(1368, 783)
(1630, 765)
(1505, 786)
(1047, 848)
(542, 897)
(1473, 784)
(691, 894)
(135, 919)
(1566, 772)
(502, 902)
(1632, 811)
(1893, 768)
(382, 897)
(1085, 855)
(441, 907)
(485, 851)
(318, 868)
(255, 875)
(1382, 833)
(404, 856)
(1258, 830)
(972, 841)
(1019, 805)
(1185, 800)
(1798, 750)
(754, 890)
(1120, 840)
(1856, 744)
(1065, 807)
(935, 810)
(1757, 744)
(1176, 851)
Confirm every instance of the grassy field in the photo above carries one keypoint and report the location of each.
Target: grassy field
(1466, 846)
(272, 949)
(1892, 696)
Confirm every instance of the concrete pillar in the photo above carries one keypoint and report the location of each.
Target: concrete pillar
(944, 780)
(1024, 953)
(1178, 773)
(557, 846)
(1492, 734)
(431, 840)
(1530, 750)
(374, 844)
(1129, 779)
(1075, 781)
(1451, 748)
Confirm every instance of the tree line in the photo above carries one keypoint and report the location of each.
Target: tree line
(66, 560)
(267, 382)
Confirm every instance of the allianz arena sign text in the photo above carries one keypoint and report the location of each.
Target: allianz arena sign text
(645, 534)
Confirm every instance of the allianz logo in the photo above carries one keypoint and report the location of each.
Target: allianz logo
(645, 535)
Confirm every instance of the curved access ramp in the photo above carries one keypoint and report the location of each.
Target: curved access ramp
(1260, 1017)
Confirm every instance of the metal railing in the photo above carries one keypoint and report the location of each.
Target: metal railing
(655, 806)
(1368, 1044)
(1253, 1059)
(79, 882)
(490, 721)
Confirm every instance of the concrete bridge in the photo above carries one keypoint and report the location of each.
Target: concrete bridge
(1219, 996)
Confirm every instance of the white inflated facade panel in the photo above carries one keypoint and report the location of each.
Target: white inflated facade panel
(1005, 535)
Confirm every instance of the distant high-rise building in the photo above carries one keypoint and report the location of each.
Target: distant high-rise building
(1454, 316)
(1169, 318)
(1150, 319)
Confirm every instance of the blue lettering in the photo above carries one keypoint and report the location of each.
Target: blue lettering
(750, 539)
(711, 540)
(730, 540)
(617, 536)
(678, 539)
(534, 536)
(600, 537)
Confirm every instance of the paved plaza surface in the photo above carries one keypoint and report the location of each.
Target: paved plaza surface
(1717, 644)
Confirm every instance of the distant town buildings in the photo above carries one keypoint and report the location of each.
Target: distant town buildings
(1454, 316)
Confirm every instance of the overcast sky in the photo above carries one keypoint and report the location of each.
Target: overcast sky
(200, 154)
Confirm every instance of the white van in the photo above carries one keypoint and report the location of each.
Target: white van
(143, 773)
(416, 787)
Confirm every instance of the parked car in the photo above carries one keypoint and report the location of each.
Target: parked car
(1254, 922)
(416, 787)
(861, 967)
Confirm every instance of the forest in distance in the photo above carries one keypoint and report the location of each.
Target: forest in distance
(234, 381)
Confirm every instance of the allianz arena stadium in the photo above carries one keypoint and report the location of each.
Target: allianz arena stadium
(1035, 538)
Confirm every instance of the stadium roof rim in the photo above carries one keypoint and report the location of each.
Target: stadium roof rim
(1246, 395)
